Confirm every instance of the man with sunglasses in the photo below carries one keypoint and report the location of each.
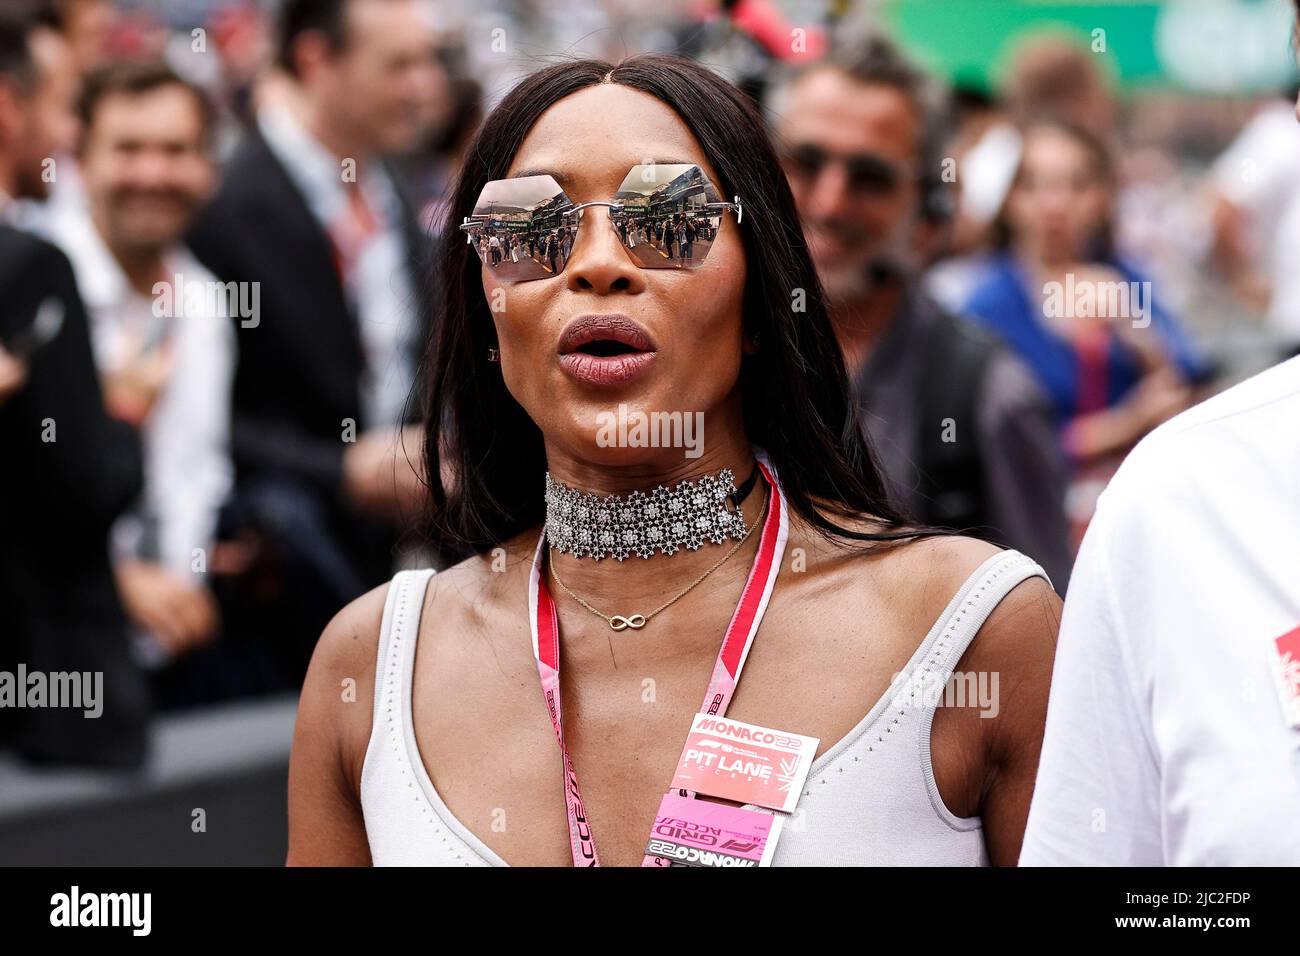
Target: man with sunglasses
(961, 430)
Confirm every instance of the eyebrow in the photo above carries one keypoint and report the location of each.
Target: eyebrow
(565, 179)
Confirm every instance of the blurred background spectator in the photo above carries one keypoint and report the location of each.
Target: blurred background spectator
(962, 432)
(313, 222)
(1043, 227)
(1114, 363)
(1257, 216)
(69, 469)
(166, 362)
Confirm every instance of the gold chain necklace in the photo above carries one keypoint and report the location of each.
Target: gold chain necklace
(620, 622)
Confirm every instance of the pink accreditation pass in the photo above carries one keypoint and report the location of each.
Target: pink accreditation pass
(699, 833)
(744, 762)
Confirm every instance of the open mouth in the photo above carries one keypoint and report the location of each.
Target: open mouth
(605, 349)
(605, 336)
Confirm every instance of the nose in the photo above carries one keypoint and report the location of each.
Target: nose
(1057, 199)
(598, 262)
(829, 195)
(152, 169)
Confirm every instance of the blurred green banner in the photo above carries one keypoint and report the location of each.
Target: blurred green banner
(1205, 46)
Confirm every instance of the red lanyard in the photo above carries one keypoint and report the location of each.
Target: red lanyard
(726, 670)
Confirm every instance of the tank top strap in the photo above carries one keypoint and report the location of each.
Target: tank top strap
(971, 606)
(934, 675)
(397, 639)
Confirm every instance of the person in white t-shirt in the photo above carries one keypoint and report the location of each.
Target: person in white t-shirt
(1256, 191)
(1173, 729)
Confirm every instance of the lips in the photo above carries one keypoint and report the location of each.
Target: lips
(605, 350)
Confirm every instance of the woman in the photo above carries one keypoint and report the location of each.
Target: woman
(455, 760)
(1112, 361)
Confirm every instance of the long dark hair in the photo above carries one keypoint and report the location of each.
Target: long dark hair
(795, 393)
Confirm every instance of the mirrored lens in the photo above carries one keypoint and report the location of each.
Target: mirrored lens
(519, 228)
(669, 216)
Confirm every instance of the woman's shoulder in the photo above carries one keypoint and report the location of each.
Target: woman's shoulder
(350, 640)
(1017, 638)
(930, 570)
(1018, 612)
(337, 697)
(951, 561)
(920, 576)
(345, 660)
(352, 637)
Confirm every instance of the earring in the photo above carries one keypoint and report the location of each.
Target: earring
(494, 355)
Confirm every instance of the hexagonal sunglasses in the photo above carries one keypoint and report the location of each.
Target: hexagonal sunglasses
(666, 216)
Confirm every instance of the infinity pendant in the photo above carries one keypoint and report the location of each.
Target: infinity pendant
(620, 623)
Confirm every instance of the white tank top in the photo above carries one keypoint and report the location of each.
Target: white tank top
(870, 800)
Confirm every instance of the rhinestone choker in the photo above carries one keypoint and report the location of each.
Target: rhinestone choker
(641, 523)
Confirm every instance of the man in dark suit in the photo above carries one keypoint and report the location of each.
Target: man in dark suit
(69, 469)
(332, 271)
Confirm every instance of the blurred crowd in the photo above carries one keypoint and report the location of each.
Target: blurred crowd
(217, 287)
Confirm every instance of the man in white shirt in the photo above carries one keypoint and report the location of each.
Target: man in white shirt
(162, 340)
(1173, 731)
(1256, 186)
